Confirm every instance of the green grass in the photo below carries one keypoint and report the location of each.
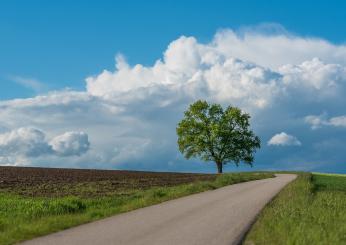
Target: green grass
(329, 182)
(310, 210)
(329, 174)
(23, 218)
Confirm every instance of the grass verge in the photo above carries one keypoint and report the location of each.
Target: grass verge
(23, 218)
(310, 210)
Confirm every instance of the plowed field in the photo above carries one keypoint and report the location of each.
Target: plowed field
(51, 182)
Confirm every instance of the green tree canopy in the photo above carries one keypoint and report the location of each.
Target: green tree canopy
(213, 134)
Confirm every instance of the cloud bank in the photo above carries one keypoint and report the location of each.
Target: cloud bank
(130, 113)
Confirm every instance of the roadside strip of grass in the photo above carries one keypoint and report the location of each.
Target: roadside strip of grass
(329, 174)
(310, 210)
(23, 218)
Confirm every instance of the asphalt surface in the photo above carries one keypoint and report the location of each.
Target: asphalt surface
(219, 217)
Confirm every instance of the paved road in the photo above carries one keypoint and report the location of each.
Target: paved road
(219, 217)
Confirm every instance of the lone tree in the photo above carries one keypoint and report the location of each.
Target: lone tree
(214, 134)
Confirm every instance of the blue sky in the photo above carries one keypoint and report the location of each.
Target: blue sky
(60, 43)
(102, 84)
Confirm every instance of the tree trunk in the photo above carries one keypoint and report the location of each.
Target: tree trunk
(219, 167)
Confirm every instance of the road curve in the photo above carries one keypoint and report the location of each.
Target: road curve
(219, 217)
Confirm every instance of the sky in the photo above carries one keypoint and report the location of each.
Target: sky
(102, 84)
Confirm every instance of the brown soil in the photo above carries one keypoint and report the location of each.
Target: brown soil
(30, 181)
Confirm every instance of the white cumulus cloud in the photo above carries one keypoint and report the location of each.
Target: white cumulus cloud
(20, 144)
(274, 50)
(190, 70)
(283, 139)
(70, 143)
(23, 141)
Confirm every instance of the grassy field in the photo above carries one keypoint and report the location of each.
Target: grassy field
(310, 210)
(26, 213)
